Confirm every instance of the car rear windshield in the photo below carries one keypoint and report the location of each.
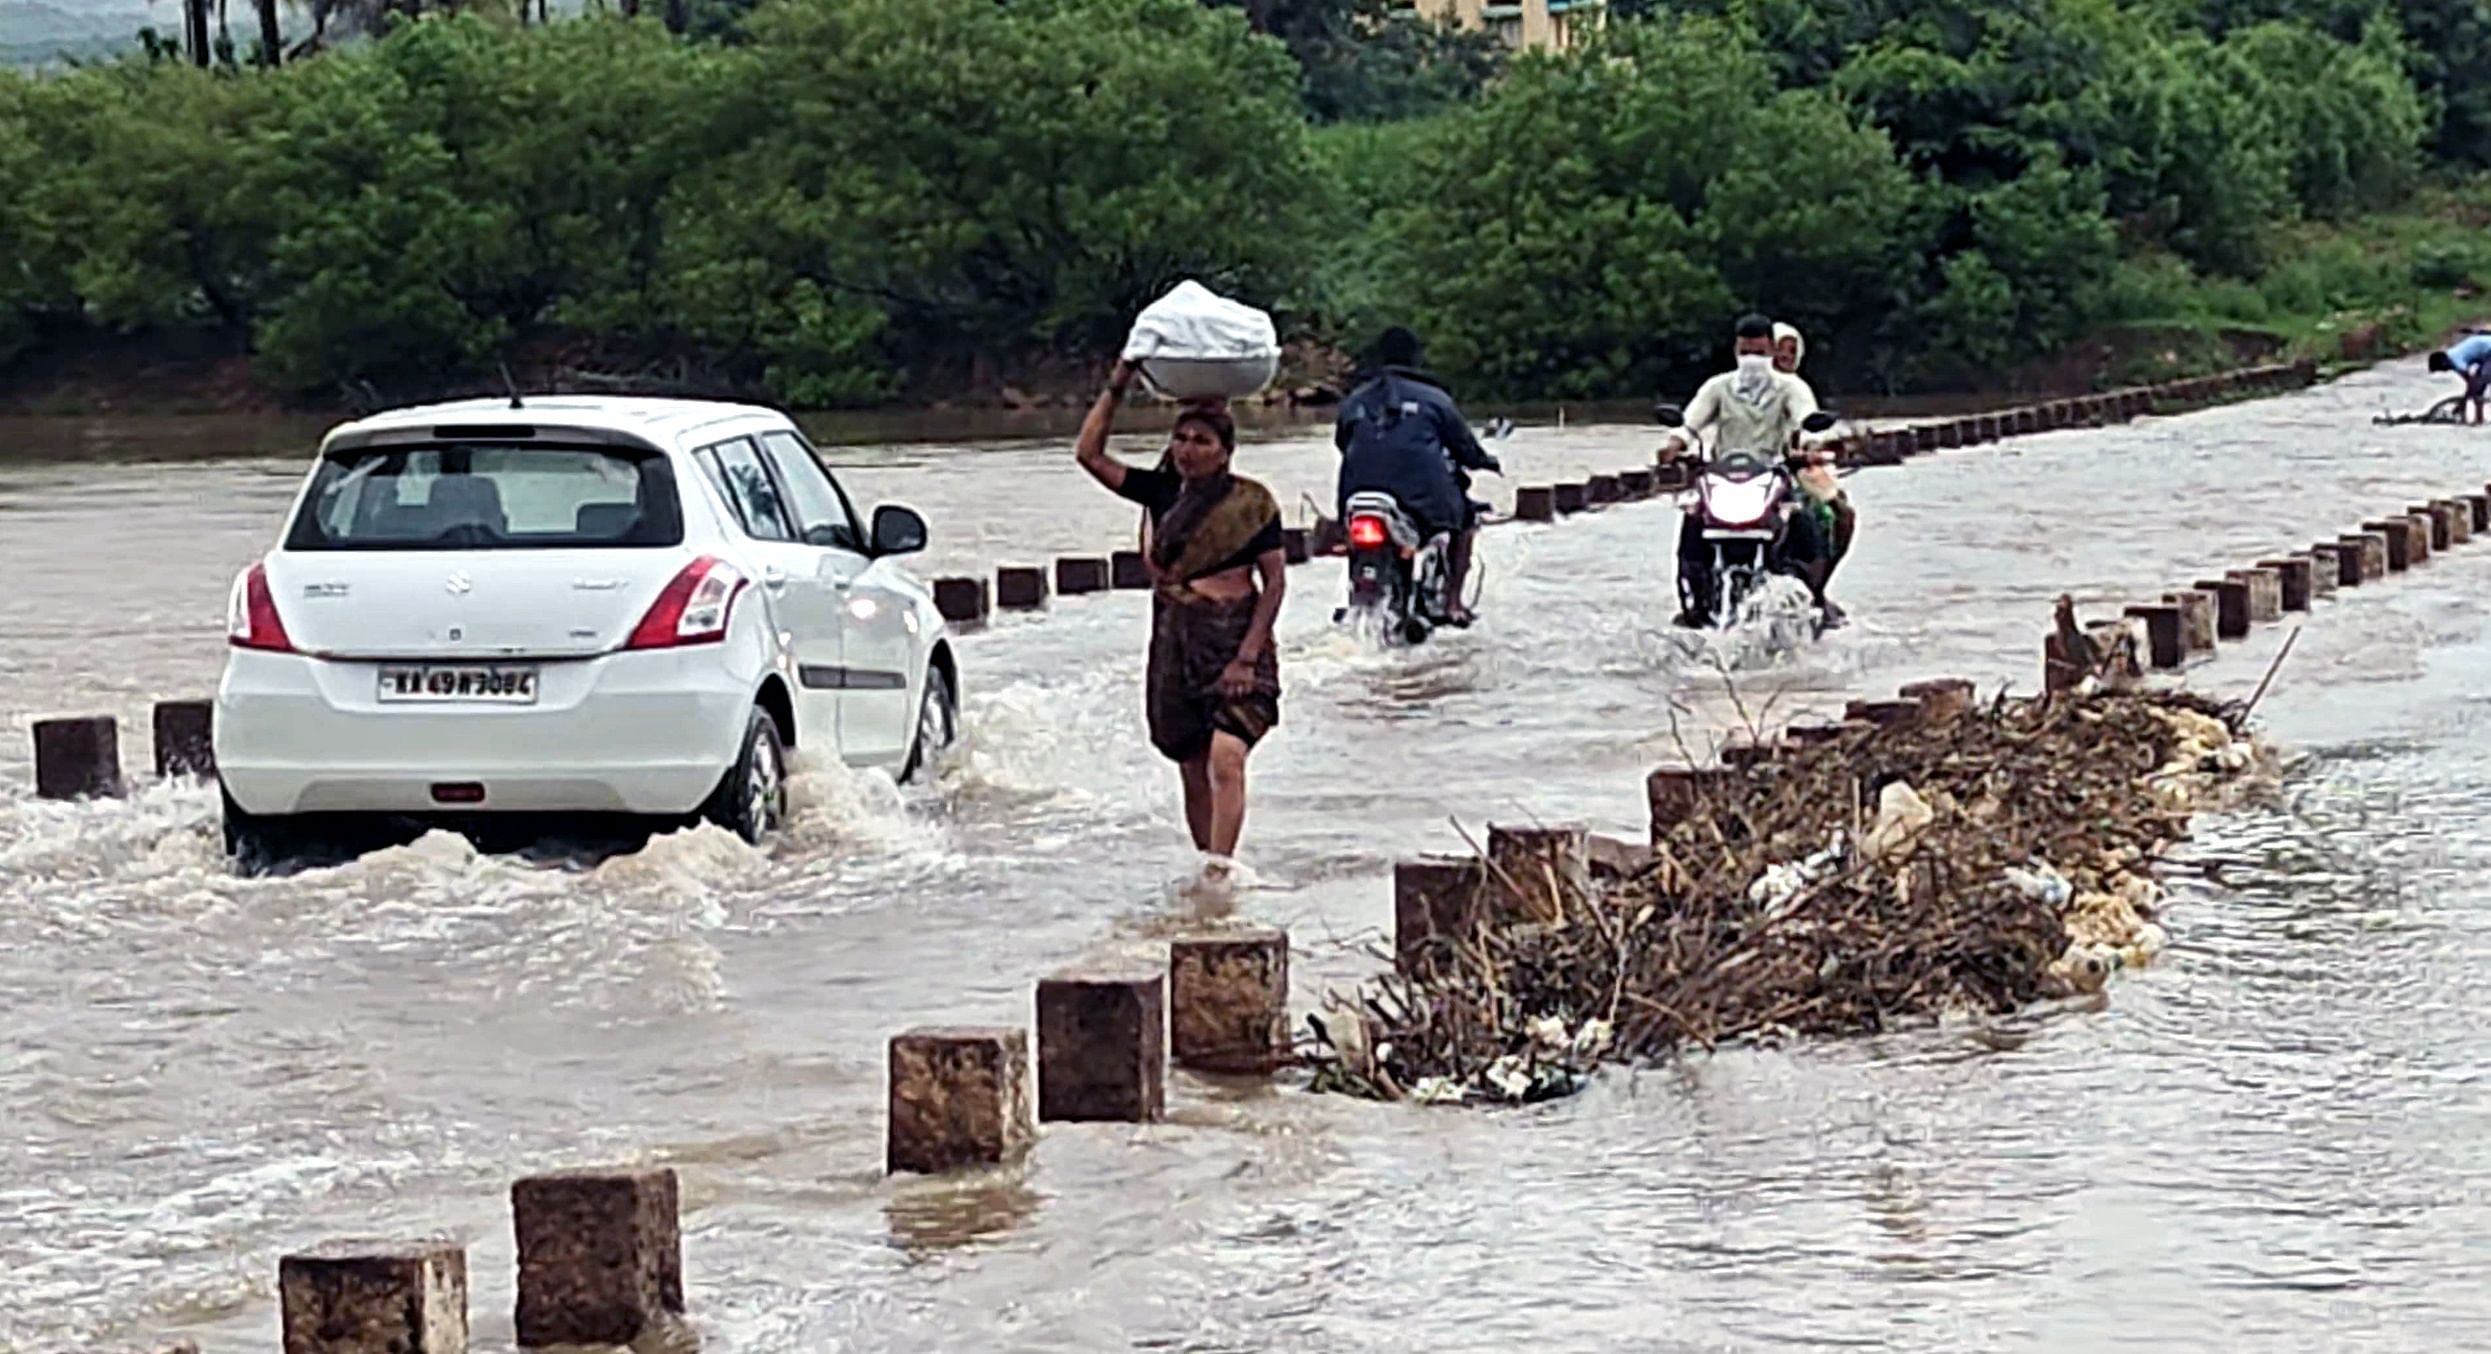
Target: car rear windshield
(478, 496)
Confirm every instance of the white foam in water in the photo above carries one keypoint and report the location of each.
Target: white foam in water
(690, 862)
(684, 976)
(160, 827)
(836, 808)
(1213, 879)
(1447, 661)
(434, 853)
(1082, 741)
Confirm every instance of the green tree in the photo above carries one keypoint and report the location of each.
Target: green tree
(1365, 60)
(2447, 52)
(2036, 254)
(32, 284)
(372, 241)
(2349, 119)
(2200, 161)
(2451, 45)
(567, 143)
(1592, 228)
(1368, 170)
(957, 183)
(141, 189)
(1813, 219)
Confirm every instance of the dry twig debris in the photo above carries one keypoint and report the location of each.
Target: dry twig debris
(1973, 862)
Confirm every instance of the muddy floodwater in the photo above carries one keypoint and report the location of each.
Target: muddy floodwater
(2278, 1138)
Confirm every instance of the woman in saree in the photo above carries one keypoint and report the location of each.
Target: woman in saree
(1218, 573)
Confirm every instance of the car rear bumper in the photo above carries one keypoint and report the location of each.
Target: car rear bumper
(636, 733)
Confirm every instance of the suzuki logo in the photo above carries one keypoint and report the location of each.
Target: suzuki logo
(458, 584)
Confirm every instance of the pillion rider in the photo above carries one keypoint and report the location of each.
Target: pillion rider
(1757, 411)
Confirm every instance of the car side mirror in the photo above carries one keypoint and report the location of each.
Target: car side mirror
(1670, 415)
(1819, 421)
(898, 530)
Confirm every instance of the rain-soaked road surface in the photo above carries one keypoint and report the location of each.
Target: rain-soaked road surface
(2274, 1139)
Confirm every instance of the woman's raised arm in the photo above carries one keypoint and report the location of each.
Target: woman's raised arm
(1091, 447)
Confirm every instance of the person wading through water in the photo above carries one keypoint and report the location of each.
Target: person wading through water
(1218, 571)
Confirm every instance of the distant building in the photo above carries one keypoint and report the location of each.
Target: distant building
(1532, 25)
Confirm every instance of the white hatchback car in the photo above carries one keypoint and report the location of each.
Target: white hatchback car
(570, 605)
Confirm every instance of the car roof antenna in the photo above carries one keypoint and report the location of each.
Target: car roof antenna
(511, 386)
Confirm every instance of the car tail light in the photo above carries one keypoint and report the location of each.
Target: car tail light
(251, 620)
(693, 609)
(1367, 533)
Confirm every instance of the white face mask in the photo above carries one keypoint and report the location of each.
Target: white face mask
(1755, 377)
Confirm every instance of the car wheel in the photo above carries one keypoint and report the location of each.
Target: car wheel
(938, 723)
(751, 799)
(257, 845)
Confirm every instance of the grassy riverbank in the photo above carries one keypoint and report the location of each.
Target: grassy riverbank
(2351, 292)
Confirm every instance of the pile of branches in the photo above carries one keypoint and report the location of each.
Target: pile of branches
(1800, 896)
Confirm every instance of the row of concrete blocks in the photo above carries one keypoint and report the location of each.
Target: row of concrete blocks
(600, 1252)
(961, 1096)
(1891, 446)
(1438, 901)
(1015, 587)
(1546, 503)
(2167, 634)
(80, 758)
(600, 1266)
(968, 601)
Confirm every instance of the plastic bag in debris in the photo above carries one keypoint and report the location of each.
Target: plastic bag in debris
(1782, 881)
(1194, 343)
(2082, 968)
(2044, 885)
(1901, 817)
(1551, 1032)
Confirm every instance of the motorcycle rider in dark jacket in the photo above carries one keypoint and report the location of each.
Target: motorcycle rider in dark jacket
(1400, 434)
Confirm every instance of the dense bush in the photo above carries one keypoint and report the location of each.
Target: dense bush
(932, 180)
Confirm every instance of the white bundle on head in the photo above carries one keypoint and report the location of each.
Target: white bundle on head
(1194, 343)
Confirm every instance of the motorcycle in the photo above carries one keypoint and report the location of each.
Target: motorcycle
(2449, 411)
(1742, 502)
(1400, 585)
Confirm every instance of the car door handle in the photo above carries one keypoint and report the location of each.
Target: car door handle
(773, 577)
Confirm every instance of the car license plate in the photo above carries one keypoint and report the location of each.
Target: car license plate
(462, 684)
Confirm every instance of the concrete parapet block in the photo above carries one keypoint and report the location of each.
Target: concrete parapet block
(374, 1297)
(1228, 1001)
(960, 1096)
